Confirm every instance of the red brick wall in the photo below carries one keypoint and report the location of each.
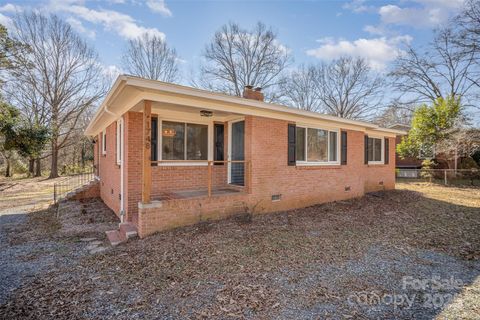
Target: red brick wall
(109, 171)
(133, 163)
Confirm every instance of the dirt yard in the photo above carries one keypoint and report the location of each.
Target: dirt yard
(409, 253)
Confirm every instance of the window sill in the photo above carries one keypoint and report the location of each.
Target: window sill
(376, 163)
(184, 164)
(318, 166)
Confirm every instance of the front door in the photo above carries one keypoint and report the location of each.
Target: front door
(237, 153)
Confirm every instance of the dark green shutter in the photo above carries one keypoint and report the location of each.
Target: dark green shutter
(387, 155)
(366, 149)
(343, 150)
(291, 145)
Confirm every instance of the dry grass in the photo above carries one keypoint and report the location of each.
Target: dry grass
(291, 264)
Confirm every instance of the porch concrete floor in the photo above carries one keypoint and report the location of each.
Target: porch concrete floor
(196, 193)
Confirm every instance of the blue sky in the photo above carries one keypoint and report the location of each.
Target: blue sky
(314, 31)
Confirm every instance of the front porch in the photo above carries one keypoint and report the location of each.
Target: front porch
(191, 153)
(194, 165)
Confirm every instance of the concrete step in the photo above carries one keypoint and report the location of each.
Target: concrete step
(128, 230)
(115, 237)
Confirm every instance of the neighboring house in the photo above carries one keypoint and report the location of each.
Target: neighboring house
(408, 162)
(169, 155)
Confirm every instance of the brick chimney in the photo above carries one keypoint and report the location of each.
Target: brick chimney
(255, 94)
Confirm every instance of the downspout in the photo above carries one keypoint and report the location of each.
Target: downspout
(122, 169)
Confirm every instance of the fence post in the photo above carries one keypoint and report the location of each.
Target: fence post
(445, 173)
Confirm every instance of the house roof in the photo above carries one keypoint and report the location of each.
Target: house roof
(400, 126)
(144, 89)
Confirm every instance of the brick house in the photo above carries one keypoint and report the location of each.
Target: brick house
(168, 155)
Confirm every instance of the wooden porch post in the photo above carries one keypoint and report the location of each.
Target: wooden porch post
(147, 164)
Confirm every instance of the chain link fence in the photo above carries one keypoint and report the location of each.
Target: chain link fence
(465, 177)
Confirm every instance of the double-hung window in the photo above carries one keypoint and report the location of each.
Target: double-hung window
(316, 146)
(375, 150)
(184, 141)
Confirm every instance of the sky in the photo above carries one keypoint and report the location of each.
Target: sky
(313, 31)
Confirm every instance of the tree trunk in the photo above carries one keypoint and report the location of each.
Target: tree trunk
(31, 164)
(7, 170)
(54, 164)
(38, 168)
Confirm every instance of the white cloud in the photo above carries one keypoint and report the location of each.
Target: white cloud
(378, 51)
(160, 7)
(11, 8)
(123, 24)
(6, 21)
(78, 26)
(426, 13)
(358, 6)
(375, 30)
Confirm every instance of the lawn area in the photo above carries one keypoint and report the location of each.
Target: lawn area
(409, 253)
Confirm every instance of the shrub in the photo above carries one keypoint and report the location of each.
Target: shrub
(426, 171)
(468, 163)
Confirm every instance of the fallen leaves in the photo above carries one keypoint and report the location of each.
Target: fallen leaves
(232, 269)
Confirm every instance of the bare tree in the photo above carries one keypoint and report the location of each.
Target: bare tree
(445, 69)
(469, 24)
(62, 72)
(395, 113)
(348, 88)
(237, 57)
(299, 88)
(149, 57)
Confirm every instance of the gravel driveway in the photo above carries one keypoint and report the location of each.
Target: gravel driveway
(34, 241)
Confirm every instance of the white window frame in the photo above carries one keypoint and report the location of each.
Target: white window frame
(382, 151)
(104, 140)
(209, 124)
(319, 163)
(119, 142)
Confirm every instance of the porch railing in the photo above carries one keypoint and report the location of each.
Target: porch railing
(72, 182)
(220, 173)
(440, 176)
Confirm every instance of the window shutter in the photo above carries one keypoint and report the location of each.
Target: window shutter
(366, 149)
(387, 155)
(343, 150)
(291, 145)
(154, 140)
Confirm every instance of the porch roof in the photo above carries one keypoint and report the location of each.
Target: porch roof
(128, 92)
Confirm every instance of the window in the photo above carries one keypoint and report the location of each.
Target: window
(184, 141)
(104, 142)
(375, 150)
(316, 145)
(119, 141)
